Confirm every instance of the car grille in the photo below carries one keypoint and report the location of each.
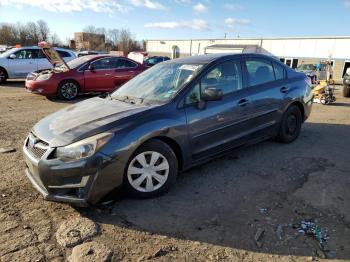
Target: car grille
(36, 146)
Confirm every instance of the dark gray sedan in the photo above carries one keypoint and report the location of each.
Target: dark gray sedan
(176, 115)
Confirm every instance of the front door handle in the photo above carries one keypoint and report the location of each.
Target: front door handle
(284, 89)
(243, 102)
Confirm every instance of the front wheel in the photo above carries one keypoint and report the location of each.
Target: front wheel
(3, 76)
(290, 125)
(68, 90)
(151, 170)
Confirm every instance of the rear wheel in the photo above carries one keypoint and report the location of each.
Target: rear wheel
(3, 76)
(290, 126)
(68, 90)
(346, 91)
(151, 170)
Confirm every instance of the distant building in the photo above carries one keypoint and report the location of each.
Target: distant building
(89, 41)
(292, 51)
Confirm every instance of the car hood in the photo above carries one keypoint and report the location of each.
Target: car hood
(52, 55)
(84, 119)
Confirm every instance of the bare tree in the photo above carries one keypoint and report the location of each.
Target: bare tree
(44, 30)
(113, 37)
(55, 40)
(126, 42)
(32, 33)
(8, 34)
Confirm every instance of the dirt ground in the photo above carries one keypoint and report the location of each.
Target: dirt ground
(246, 206)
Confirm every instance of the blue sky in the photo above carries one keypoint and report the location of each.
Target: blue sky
(186, 19)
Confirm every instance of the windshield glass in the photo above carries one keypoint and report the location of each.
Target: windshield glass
(8, 52)
(78, 61)
(158, 84)
(307, 67)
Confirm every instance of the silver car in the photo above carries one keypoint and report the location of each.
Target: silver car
(16, 63)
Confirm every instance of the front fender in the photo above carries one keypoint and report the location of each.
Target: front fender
(127, 141)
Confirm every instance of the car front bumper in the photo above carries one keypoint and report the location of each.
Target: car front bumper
(46, 87)
(79, 183)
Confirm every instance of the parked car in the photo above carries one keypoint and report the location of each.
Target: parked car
(151, 61)
(346, 83)
(85, 74)
(169, 118)
(16, 63)
(310, 70)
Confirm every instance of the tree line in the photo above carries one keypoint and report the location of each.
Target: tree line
(33, 32)
(118, 39)
(27, 34)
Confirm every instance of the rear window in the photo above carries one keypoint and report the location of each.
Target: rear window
(280, 72)
(63, 53)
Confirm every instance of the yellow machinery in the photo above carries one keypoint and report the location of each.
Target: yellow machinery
(324, 91)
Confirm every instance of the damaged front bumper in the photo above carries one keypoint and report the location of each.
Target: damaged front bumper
(79, 183)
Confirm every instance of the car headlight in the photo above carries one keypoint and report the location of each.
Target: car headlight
(84, 148)
(43, 77)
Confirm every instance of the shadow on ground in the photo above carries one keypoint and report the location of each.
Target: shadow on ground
(225, 202)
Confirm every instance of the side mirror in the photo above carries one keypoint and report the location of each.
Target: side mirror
(12, 56)
(212, 94)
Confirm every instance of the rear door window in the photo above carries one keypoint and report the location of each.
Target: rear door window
(280, 72)
(259, 71)
(124, 63)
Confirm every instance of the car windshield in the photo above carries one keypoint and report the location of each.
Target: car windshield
(8, 52)
(307, 67)
(78, 61)
(158, 84)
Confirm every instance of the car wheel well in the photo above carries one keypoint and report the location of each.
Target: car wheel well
(301, 108)
(173, 145)
(6, 74)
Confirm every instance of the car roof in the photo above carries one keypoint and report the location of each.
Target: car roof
(37, 47)
(205, 59)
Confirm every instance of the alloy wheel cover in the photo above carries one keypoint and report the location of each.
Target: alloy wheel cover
(69, 90)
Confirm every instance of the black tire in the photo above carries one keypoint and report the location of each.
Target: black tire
(3, 75)
(346, 91)
(68, 90)
(290, 125)
(165, 151)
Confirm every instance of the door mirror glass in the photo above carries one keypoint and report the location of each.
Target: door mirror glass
(212, 94)
(12, 56)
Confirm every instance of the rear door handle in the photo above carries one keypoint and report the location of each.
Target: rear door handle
(243, 102)
(284, 89)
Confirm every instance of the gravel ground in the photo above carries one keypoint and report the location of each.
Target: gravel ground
(244, 206)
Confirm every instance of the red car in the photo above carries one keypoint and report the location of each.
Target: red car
(92, 73)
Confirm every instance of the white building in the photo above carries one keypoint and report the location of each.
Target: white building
(293, 51)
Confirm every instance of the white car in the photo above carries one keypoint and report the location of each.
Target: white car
(16, 63)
